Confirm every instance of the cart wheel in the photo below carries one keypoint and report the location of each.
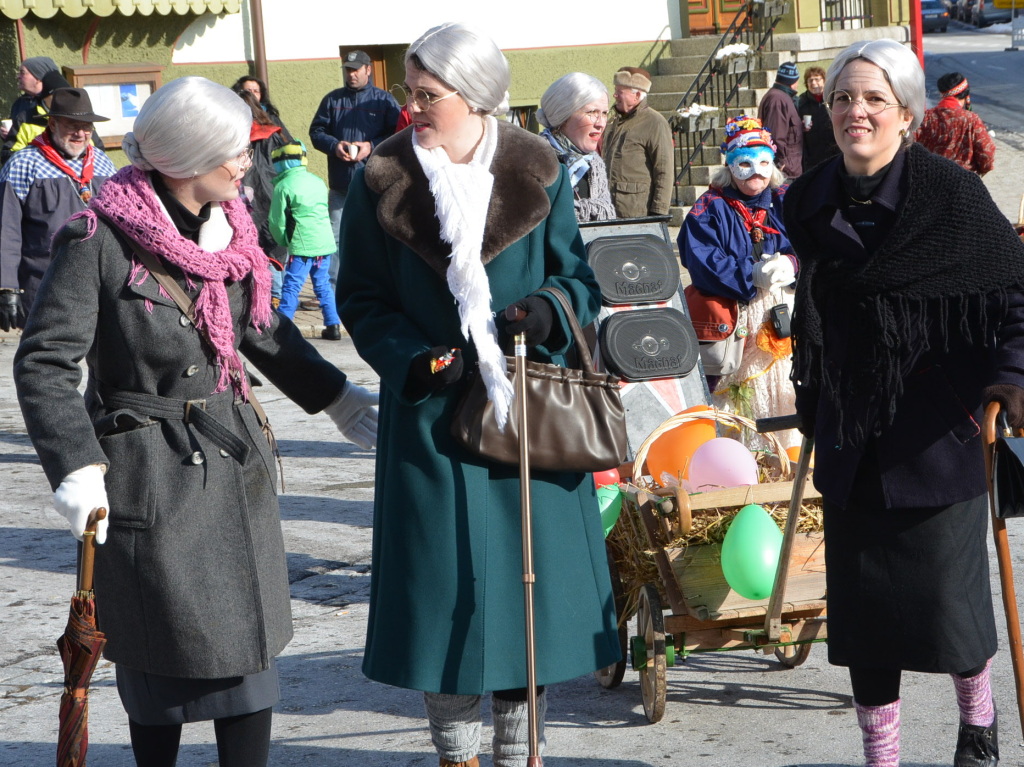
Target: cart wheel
(611, 676)
(650, 623)
(792, 656)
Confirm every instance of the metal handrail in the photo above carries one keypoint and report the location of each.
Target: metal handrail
(712, 87)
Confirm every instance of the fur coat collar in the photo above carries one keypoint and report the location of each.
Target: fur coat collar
(523, 167)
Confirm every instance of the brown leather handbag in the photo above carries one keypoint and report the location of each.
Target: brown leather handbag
(577, 421)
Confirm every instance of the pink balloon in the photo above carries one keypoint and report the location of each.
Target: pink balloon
(722, 462)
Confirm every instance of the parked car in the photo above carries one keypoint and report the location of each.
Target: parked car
(984, 14)
(934, 16)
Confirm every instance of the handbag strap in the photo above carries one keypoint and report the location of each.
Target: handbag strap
(582, 348)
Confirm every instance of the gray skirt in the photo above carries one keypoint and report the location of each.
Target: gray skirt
(909, 589)
(150, 699)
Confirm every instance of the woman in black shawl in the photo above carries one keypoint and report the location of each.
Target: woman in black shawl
(909, 318)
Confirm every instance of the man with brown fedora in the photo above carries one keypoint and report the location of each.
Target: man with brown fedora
(40, 188)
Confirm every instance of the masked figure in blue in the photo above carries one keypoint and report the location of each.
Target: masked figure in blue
(734, 245)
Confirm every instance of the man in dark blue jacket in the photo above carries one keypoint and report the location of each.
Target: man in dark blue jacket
(350, 122)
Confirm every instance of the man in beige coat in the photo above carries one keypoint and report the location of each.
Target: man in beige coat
(638, 150)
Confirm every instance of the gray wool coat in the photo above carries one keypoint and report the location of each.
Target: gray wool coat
(192, 581)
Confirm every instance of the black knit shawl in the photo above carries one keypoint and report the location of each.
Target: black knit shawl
(948, 252)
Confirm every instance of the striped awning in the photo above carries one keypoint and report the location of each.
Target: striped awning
(17, 9)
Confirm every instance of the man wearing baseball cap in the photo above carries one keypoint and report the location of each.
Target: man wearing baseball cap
(42, 186)
(637, 148)
(779, 115)
(350, 122)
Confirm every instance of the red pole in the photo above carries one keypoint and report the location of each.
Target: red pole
(916, 33)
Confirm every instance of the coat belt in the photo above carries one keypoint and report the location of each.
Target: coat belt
(192, 412)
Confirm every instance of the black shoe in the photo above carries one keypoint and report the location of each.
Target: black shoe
(331, 333)
(976, 746)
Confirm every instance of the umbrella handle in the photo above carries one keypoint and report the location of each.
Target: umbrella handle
(85, 569)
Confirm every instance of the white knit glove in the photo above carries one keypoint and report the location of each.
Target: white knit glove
(774, 270)
(80, 493)
(354, 413)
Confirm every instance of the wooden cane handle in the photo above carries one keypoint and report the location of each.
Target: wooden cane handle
(513, 313)
(85, 570)
(95, 518)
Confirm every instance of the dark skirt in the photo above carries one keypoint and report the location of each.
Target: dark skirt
(151, 699)
(909, 588)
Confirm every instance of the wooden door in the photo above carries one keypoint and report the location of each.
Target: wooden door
(713, 17)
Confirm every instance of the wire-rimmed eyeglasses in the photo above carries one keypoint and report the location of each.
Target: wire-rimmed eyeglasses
(244, 161)
(595, 115)
(419, 97)
(841, 102)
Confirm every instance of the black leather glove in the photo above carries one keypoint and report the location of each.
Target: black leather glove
(422, 381)
(1011, 402)
(12, 311)
(536, 325)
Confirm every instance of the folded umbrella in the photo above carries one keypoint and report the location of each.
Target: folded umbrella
(80, 648)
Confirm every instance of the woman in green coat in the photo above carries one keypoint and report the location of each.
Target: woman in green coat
(454, 219)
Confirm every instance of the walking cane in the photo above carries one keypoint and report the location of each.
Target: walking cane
(1005, 566)
(534, 759)
(773, 618)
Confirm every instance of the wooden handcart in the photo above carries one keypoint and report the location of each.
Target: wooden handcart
(704, 613)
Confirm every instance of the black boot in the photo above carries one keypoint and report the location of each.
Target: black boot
(977, 746)
(331, 333)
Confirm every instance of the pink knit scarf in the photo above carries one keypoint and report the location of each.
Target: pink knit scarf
(128, 202)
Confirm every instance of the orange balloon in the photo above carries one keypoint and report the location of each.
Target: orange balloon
(794, 455)
(671, 452)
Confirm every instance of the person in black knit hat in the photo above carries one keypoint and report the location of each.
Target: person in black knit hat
(779, 114)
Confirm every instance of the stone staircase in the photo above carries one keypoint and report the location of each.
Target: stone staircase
(674, 75)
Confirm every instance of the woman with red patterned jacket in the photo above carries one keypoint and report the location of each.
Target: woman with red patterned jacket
(950, 129)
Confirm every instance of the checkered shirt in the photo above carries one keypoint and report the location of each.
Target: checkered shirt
(29, 164)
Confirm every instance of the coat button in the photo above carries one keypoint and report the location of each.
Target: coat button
(192, 370)
(224, 453)
(183, 320)
(197, 457)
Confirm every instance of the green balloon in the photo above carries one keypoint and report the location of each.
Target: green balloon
(609, 499)
(750, 552)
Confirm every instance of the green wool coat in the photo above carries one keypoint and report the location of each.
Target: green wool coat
(446, 604)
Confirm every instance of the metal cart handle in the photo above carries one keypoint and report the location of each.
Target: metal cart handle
(778, 423)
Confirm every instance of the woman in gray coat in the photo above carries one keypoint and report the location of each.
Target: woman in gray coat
(191, 580)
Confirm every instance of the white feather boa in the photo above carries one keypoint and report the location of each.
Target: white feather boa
(462, 193)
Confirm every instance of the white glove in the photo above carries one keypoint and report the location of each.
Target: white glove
(774, 270)
(80, 493)
(354, 413)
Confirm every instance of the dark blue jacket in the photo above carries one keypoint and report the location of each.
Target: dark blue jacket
(369, 114)
(715, 247)
(931, 454)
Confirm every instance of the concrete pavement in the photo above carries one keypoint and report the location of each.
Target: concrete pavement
(723, 708)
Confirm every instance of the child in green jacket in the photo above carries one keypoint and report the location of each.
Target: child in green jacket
(299, 220)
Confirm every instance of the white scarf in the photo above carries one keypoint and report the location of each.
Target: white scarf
(462, 194)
